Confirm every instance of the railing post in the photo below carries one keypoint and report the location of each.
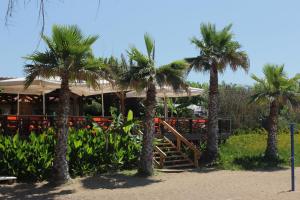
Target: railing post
(178, 143)
(191, 125)
(196, 159)
(4, 124)
(161, 161)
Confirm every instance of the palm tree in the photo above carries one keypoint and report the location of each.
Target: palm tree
(278, 90)
(68, 57)
(217, 51)
(143, 75)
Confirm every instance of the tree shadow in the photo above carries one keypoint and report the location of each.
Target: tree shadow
(259, 163)
(115, 181)
(31, 191)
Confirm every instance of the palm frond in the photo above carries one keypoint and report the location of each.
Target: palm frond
(173, 74)
(135, 55)
(217, 48)
(149, 42)
(277, 86)
(69, 52)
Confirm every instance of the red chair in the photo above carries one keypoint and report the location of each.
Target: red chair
(156, 124)
(97, 119)
(12, 121)
(156, 120)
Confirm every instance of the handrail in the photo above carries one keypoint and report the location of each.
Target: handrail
(160, 151)
(183, 139)
(180, 139)
(162, 156)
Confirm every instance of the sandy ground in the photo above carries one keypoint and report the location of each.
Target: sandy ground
(197, 184)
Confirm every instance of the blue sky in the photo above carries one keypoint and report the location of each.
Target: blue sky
(269, 30)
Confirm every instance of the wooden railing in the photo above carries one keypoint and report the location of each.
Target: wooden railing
(180, 139)
(195, 129)
(162, 156)
(24, 124)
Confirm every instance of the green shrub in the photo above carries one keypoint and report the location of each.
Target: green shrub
(96, 150)
(29, 158)
(92, 108)
(89, 151)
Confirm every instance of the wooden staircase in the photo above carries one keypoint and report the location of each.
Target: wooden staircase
(170, 156)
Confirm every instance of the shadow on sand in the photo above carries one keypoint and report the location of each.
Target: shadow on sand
(204, 169)
(259, 163)
(116, 181)
(31, 191)
(47, 191)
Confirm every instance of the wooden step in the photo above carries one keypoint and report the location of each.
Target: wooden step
(171, 157)
(164, 145)
(172, 152)
(187, 165)
(8, 179)
(177, 161)
(167, 147)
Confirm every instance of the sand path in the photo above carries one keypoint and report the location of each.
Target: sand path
(206, 185)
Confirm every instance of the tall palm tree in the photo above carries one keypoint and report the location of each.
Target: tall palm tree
(218, 50)
(278, 90)
(143, 75)
(69, 57)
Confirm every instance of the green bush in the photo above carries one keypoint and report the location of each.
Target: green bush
(29, 158)
(96, 150)
(89, 151)
(92, 108)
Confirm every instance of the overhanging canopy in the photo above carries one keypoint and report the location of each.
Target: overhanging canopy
(43, 86)
(38, 86)
(167, 92)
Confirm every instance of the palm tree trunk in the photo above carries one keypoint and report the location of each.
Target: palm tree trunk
(146, 160)
(60, 163)
(271, 150)
(212, 140)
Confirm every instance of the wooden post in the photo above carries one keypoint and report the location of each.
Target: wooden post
(161, 161)
(44, 104)
(18, 104)
(191, 125)
(165, 108)
(196, 157)
(102, 103)
(178, 141)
